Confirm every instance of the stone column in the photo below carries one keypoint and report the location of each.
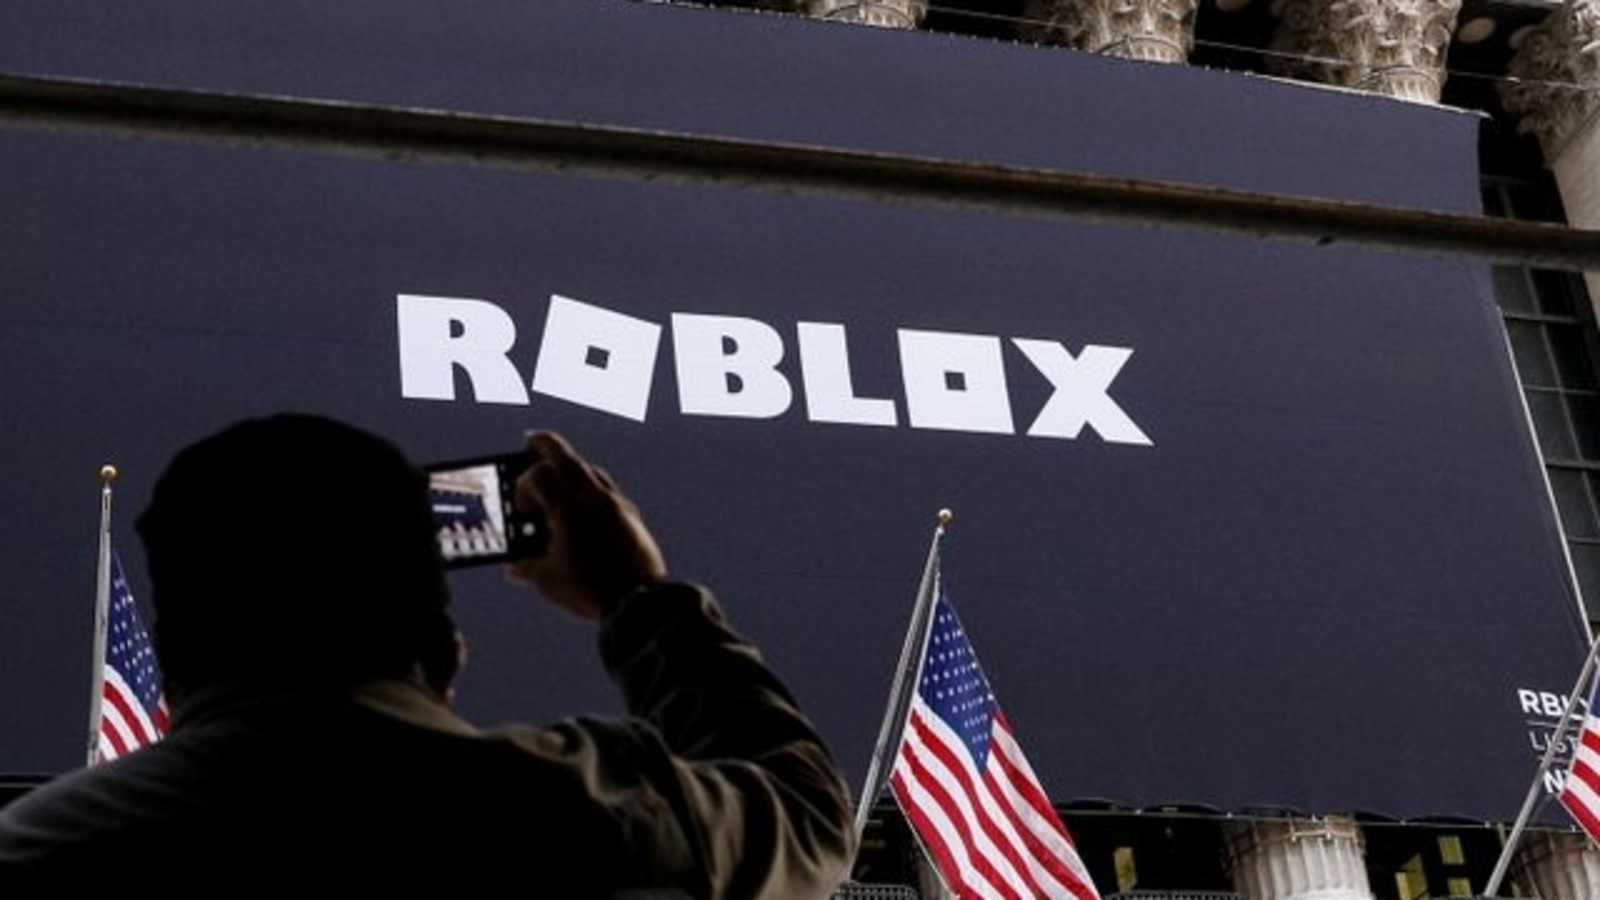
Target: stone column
(1298, 859)
(883, 13)
(1151, 30)
(1555, 93)
(1390, 47)
(1557, 866)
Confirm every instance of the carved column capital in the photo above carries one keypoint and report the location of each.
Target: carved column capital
(883, 13)
(1555, 76)
(1558, 866)
(1320, 859)
(1154, 30)
(1390, 47)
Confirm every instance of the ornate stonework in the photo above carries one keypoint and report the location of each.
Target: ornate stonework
(1322, 859)
(1557, 866)
(1556, 76)
(883, 13)
(1391, 47)
(1154, 30)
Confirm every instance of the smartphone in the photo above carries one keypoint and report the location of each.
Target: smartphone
(477, 520)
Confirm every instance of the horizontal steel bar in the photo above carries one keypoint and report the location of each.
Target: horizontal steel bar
(431, 135)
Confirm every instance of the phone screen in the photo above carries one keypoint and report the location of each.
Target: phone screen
(472, 506)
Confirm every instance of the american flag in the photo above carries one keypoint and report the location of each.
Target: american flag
(1580, 790)
(132, 711)
(972, 798)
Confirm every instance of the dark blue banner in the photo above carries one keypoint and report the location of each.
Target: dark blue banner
(1238, 522)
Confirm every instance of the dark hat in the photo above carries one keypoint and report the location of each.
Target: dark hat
(293, 546)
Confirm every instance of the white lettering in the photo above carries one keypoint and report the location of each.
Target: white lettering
(1081, 396)
(597, 358)
(1554, 704)
(439, 333)
(825, 373)
(1529, 700)
(1541, 741)
(1554, 781)
(729, 367)
(955, 382)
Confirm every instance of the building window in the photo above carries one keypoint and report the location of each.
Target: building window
(1127, 871)
(1550, 325)
(1451, 852)
(1414, 861)
(1410, 881)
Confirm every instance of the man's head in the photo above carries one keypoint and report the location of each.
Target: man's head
(294, 548)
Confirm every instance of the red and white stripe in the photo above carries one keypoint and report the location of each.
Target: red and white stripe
(124, 724)
(991, 833)
(1580, 790)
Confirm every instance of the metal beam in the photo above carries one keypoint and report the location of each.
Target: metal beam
(394, 133)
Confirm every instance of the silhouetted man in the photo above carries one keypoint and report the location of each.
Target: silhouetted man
(308, 659)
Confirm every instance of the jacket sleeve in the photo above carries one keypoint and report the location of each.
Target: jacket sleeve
(760, 797)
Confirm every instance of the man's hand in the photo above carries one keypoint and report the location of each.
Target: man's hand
(599, 546)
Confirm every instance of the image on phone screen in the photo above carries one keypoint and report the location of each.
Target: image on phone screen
(469, 507)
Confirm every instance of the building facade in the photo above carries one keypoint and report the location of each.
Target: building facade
(1533, 69)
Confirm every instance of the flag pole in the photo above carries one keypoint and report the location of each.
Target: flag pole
(102, 605)
(905, 678)
(1537, 788)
